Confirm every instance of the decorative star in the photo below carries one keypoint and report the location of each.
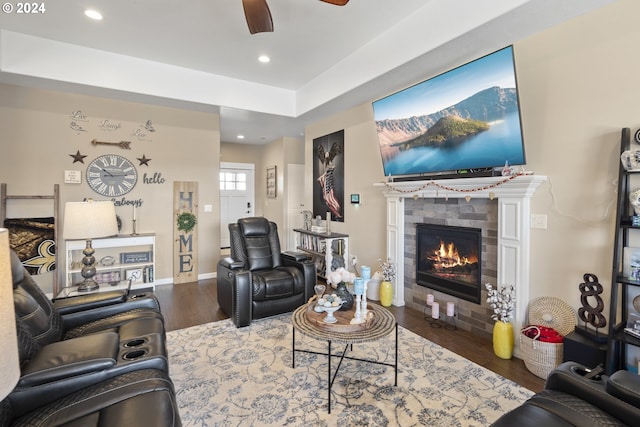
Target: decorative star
(78, 157)
(143, 160)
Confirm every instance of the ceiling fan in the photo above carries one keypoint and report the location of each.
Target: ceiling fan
(259, 17)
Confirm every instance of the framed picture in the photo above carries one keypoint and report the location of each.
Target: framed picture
(328, 174)
(135, 257)
(134, 274)
(272, 180)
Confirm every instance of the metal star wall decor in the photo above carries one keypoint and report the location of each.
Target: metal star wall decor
(143, 160)
(78, 157)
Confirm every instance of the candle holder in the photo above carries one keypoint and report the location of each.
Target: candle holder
(134, 232)
(441, 321)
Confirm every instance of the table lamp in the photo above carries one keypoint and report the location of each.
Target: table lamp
(89, 220)
(9, 360)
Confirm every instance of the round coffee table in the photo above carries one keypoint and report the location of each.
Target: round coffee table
(382, 324)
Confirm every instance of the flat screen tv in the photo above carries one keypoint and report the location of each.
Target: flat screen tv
(465, 119)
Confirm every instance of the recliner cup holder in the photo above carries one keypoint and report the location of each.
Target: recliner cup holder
(135, 342)
(135, 354)
(590, 374)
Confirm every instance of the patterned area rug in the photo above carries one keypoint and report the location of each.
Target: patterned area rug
(226, 376)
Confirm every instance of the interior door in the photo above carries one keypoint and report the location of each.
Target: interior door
(237, 196)
(295, 202)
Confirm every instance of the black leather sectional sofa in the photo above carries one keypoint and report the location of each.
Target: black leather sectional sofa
(93, 360)
(577, 396)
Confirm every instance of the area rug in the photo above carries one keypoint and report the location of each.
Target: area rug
(225, 376)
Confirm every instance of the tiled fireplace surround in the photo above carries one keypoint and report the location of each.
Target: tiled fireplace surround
(497, 205)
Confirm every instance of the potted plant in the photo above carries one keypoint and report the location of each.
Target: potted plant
(388, 272)
(502, 301)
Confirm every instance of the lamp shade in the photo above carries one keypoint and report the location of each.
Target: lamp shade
(9, 360)
(89, 220)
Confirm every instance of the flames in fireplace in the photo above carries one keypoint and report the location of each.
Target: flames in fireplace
(447, 257)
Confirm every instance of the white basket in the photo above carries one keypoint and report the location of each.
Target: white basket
(540, 357)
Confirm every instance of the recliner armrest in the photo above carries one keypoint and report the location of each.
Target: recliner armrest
(70, 358)
(89, 301)
(625, 386)
(295, 256)
(231, 264)
(72, 319)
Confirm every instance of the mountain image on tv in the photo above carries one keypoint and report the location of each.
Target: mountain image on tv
(476, 126)
(473, 115)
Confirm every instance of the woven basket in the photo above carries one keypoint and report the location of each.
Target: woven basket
(542, 357)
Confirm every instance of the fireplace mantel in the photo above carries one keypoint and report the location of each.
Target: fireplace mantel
(514, 211)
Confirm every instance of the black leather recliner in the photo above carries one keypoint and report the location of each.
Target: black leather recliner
(87, 381)
(50, 322)
(258, 280)
(571, 397)
(56, 360)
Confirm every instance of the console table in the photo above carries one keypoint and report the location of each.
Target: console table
(382, 325)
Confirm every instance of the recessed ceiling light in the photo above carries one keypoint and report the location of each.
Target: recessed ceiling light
(264, 59)
(93, 14)
(240, 136)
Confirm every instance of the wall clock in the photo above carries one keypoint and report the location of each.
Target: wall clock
(111, 175)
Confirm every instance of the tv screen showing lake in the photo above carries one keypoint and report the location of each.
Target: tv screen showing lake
(466, 118)
(501, 143)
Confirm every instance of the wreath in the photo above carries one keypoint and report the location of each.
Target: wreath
(186, 221)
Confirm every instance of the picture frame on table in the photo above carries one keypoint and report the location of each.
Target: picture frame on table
(136, 275)
(272, 182)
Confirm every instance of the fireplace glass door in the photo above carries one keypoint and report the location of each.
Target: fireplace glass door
(449, 260)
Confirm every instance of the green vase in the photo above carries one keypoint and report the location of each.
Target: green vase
(503, 339)
(386, 293)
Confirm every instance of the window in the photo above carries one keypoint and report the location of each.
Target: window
(233, 181)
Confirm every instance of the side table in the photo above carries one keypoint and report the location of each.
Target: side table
(382, 324)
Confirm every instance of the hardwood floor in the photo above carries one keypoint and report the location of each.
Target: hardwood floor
(193, 304)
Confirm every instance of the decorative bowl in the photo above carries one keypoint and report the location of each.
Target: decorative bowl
(330, 318)
(329, 304)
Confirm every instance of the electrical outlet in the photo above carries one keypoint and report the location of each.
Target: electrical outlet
(539, 221)
(354, 260)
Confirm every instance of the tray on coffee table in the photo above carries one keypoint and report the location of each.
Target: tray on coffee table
(344, 319)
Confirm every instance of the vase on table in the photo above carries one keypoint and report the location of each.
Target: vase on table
(386, 293)
(503, 339)
(345, 295)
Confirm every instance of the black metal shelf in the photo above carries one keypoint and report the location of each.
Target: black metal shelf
(618, 339)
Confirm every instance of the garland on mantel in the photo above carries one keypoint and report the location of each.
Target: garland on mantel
(458, 190)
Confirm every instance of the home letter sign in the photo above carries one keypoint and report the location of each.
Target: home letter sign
(185, 232)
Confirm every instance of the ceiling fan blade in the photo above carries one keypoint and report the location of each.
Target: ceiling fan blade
(336, 2)
(258, 16)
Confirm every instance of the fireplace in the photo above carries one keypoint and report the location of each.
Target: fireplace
(448, 259)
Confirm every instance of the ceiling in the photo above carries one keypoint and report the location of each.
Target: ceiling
(199, 55)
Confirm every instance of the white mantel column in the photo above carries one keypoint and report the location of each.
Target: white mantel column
(514, 213)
